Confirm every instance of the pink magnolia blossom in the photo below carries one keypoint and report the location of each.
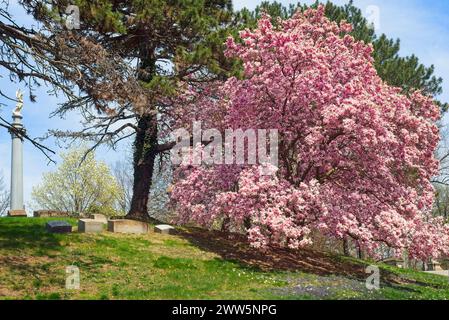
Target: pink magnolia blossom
(355, 155)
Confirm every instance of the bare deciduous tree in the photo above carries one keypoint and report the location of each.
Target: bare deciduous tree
(123, 173)
(441, 182)
(4, 197)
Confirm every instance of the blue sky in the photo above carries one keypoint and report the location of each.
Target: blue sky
(422, 26)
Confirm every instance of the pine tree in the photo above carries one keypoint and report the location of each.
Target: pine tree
(166, 42)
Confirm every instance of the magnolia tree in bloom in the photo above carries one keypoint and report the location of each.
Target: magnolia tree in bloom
(355, 155)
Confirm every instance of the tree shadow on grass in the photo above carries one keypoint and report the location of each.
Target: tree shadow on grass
(235, 247)
(30, 252)
(19, 235)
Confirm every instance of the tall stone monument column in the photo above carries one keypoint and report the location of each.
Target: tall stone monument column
(17, 208)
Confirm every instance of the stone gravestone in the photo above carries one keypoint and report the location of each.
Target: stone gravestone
(90, 226)
(395, 262)
(164, 229)
(50, 213)
(127, 226)
(17, 213)
(99, 217)
(58, 227)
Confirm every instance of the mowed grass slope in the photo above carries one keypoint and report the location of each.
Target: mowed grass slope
(195, 264)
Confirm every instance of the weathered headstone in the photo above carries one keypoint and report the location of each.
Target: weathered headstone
(437, 266)
(90, 226)
(164, 229)
(396, 262)
(434, 266)
(128, 226)
(17, 213)
(50, 213)
(58, 227)
(99, 217)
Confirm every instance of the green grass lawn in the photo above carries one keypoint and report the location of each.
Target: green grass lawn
(195, 264)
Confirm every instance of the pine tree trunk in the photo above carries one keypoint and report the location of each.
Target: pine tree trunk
(145, 145)
(144, 158)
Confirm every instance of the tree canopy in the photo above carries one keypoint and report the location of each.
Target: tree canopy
(356, 154)
(4, 197)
